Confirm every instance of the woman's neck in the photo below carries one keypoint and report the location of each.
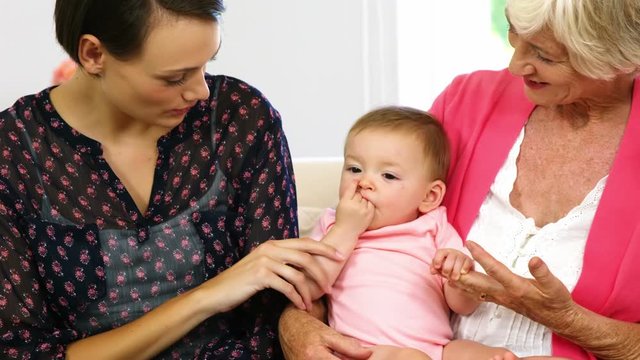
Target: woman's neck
(614, 103)
(83, 105)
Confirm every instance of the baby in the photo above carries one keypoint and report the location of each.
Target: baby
(392, 293)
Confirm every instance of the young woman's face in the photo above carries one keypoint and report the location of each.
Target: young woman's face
(390, 170)
(160, 85)
(549, 77)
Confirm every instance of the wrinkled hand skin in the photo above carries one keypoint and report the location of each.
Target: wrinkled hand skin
(546, 300)
(543, 299)
(304, 337)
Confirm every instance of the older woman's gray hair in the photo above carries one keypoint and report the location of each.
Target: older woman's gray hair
(601, 36)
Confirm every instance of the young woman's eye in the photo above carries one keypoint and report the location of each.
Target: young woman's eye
(389, 176)
(175, 82)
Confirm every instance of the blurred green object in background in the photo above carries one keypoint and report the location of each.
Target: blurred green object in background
(499, 22)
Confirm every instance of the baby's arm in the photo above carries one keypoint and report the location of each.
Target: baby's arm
(353, 215)
(450, 264)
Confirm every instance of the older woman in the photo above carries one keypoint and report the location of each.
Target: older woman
(545, 182)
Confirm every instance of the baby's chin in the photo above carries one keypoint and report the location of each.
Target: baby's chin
(376, 223)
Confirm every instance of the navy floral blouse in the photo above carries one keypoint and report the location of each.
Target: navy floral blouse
(78, 258)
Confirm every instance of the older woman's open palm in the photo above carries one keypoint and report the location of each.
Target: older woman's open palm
(543, 299)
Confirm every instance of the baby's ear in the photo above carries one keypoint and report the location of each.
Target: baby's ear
(433, 197)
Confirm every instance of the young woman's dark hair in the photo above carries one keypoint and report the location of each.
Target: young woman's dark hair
(121, 25)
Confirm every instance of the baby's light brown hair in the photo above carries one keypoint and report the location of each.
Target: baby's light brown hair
(412, 122)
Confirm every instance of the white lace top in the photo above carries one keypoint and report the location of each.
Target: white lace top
(513, 239)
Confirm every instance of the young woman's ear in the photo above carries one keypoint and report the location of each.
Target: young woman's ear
(433, 197)
(91, 54)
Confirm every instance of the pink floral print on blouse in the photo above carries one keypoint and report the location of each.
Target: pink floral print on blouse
(78, 258)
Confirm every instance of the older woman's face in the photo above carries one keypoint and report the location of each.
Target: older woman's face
(549, 77)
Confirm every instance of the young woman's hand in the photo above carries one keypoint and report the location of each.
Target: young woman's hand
(277, 264)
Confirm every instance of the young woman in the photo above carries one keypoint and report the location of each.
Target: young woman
(138, 198)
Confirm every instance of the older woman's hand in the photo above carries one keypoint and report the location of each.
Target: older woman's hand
(543, 299)
(304, 337)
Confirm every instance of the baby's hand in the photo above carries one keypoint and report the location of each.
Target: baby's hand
(451, 263)
(354, 213)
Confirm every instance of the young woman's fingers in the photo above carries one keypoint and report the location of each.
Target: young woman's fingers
(308, 246)
(303, 263)
(287, 279)
(250, 275)
(295, 278)
(289, 290)
(299, 254)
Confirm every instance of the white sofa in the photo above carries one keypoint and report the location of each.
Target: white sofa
(317, 181)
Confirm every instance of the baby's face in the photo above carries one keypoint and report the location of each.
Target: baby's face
(389, 168)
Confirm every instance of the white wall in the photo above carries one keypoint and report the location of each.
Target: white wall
(28, 48)
(321, 63)
(438, 40)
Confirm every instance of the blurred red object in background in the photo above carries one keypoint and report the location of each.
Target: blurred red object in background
(63, 72)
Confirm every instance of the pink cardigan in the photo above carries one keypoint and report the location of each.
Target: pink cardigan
(483, 113)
